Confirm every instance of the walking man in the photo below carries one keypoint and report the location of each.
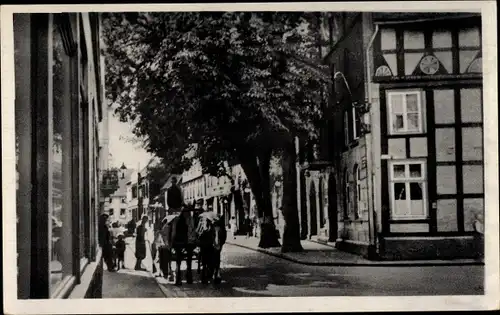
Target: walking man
(174, 196)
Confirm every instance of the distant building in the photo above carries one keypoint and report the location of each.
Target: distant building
(116, 205)
(193, 184)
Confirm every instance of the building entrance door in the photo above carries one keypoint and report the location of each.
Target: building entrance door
(313, 209)
(332, 209)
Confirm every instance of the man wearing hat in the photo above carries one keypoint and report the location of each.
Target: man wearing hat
(175, 199)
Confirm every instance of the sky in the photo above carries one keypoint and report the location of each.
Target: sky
(121, 149)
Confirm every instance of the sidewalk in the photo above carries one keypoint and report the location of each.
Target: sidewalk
(130, 283)
(316, 254)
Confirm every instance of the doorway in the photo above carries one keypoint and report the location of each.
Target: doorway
(321, 204)
(332, 209)
(313, 209)
(303, 208)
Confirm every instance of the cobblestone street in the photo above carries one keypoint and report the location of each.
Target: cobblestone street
(247, 273)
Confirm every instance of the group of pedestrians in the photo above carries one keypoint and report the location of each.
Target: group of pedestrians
(249, 227)
(112, 241)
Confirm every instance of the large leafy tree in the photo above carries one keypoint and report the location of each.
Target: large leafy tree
(220, 84)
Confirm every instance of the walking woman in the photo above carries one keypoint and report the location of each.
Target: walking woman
(140, 243)
(233, 226)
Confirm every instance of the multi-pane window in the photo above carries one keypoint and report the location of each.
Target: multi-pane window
(405, 111)
(356, 122)
(352, 125)
(408, 190)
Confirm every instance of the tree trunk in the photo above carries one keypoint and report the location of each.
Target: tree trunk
(269, 234)
(291, 234)
(258, 178)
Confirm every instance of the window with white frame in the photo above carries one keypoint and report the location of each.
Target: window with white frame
(408, 187)
(405, 110)
(356, 122)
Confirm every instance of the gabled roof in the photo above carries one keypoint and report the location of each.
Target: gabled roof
(122, 184)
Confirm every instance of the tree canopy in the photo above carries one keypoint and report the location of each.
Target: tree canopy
(220, 80)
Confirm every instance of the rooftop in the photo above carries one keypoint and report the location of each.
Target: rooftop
(122, 183)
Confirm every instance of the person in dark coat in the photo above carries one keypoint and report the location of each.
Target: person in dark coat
(140, 243)
(105, 242)
(120, 247)
(247, 224)
(175, 199)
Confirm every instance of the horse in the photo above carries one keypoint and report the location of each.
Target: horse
(181, 238)
(211, 233)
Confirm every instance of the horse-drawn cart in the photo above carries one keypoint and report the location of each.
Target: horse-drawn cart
(189, 236)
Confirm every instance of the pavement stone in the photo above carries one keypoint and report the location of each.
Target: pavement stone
(130, 283)
(316, 254)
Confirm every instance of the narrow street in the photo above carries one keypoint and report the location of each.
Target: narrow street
(249, 273)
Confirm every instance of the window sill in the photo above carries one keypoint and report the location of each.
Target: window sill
(409, 218)
(84, 261)
(80, 290)
(64, 288)
(350, 220)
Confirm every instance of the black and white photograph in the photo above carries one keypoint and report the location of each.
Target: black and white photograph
(250, 157)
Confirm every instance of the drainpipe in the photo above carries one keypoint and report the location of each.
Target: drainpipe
(372, 225)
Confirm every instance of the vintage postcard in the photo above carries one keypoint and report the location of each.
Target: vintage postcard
(257, 157)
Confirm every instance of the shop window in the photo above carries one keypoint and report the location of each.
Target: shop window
(60, 212)
(405, 112)
(408, 190)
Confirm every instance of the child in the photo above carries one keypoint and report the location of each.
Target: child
(120, 251)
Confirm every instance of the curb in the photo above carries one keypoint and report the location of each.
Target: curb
(405, 263)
